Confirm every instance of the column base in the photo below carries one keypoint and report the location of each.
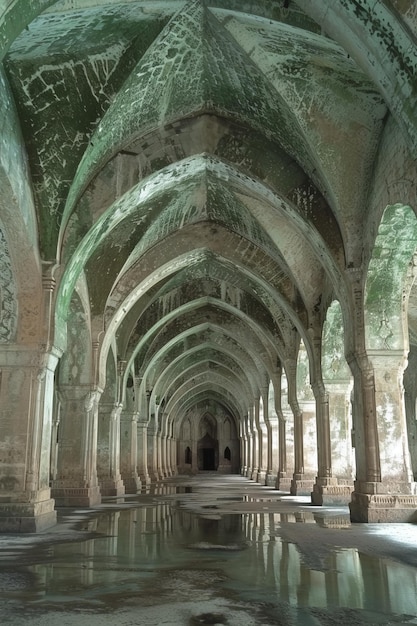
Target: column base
(112, 487)
(27, 517)
(75, 496)
(271, 479)
(155, 476)
(261, 477)
(301, 485)
(327, 491)
(132, 483)
(145, 479)
(382, 505)
(283, 482)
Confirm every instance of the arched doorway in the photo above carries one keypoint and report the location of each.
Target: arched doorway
(207, 453)
(208, 444)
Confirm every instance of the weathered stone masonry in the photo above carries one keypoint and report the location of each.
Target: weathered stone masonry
(207, 250)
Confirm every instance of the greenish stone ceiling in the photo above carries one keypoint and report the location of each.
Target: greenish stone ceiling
(200, 171)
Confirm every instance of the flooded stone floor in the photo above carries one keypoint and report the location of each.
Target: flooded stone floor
(210, 549)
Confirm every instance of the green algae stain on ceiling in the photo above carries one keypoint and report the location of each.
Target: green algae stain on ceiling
(64, 72)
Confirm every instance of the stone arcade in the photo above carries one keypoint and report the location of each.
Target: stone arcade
(208, 239)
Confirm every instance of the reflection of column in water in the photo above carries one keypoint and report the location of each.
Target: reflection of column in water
(251, 535)
(274, 555)
(284, 588)
(402, 588)
(140, 533)
(132, 525)
(332, 580)
(164, 520)
(293, 573)
(87, 563)
(261, 547)
(150, 532)
(112, 530)
(303, 587)
(270, 551)
(316, 588)
(374, 575)
(344, 580)
(43, 573)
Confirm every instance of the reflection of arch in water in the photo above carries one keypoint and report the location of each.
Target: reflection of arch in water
(208, 444)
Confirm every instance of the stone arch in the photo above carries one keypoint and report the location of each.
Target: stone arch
(21, 271)
(378, 53)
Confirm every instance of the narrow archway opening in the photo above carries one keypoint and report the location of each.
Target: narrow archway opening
(207, 454)
(188, 456)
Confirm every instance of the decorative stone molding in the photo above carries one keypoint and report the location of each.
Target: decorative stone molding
(382, 508)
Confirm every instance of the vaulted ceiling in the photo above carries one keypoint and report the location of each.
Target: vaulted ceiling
(204, 169)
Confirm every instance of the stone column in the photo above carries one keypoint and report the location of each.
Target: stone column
(300, 484)
(129, 451)
(153, 452)
(339, 393)
(54, 436)
(76, 483)
(243, 448)
(249, 457)
(142, 440)
(173, 451)
(165, 464)
(172, 445)
(273, 448)
(255, 444)
(283, 480)
(388, 493)
(272, 442)
(26, 401)
(159, 458)
(324, 462)
(129, 434)
(262, 438)
(327, 489)
(108, 465)
(364, 436)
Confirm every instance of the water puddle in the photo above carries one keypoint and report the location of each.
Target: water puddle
(163, 565)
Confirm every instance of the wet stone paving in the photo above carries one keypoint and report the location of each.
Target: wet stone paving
(210, 549)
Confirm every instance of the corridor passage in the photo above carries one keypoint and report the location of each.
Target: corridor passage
(209, 549)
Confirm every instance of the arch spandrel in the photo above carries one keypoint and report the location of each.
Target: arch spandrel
(389, 280)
